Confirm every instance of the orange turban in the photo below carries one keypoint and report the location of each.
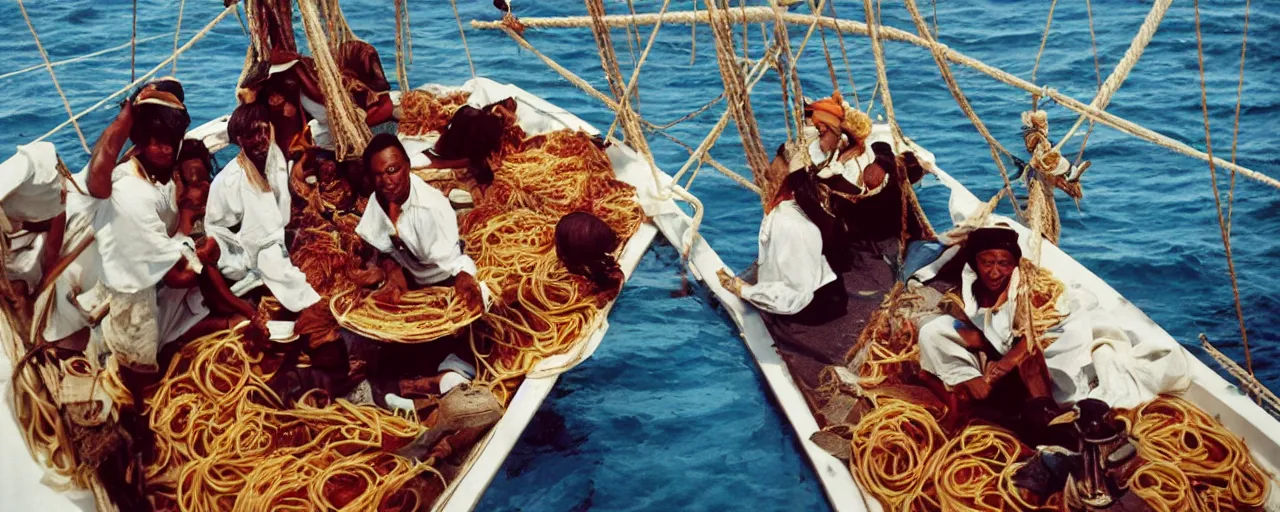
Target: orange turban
(828, 111)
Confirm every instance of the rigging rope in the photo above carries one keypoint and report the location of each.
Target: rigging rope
(402, 74)
(145, 76)
(826, 52)
(49, 66)
(635, 72)
(55, 64)
(894, 34)
(1097, 75)
(738, 101)
(133, 47)
(1248, 382)
(882, 77)
(1213, 176)
(628, 118)
(463, 35)
(945, 69)
(1043, 39)
(177, 30)
(1235, 134)
(844, 55)
(1126, 64)
(910, 204)
(346, 121)
(693, 37)
(789, 76)
(699, 155)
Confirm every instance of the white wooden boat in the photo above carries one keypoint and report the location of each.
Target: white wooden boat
(21, 487)
(1209, 391)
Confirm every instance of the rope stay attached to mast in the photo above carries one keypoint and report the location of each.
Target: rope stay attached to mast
(49, 66)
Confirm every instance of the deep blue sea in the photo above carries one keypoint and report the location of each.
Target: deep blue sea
(671, 413)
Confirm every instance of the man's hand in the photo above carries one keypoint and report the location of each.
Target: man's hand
(468, 289)
(977, 388)
(971, 338)
(730, 282)
(208, 251)
(125, 116)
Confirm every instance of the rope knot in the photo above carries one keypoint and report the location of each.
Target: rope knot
(1047, 160)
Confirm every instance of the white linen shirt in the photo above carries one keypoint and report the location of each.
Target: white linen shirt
(30, 186)
(427, 226)
(257, 245)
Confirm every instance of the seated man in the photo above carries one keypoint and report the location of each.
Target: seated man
(32, 190)
(249, 207)
(192, 180)
(794, 280)
(820, 141)
(135, 269)
(1076, 358)
(875, 214)
(853, 172)
(412, 223)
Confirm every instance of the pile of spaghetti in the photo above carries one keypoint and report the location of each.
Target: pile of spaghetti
(510, 235)
(1194, 463)
(423, 112)
(224, 441)
(904, 456)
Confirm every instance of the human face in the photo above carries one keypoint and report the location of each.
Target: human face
(257, 143)
(195, 186)
(827, 137)
(193, 171)
(994, 268)
(327, 170)
(390, 170)
(157, 155)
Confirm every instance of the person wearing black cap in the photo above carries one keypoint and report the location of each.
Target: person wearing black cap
(952, 348)
(1082, 356)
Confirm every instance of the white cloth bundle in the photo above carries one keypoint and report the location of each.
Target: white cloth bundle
(791, 264)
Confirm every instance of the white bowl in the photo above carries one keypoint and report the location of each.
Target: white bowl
(281, 331)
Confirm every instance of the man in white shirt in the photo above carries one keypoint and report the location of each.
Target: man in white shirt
(249, 207)
(1080, 356)
(412, 223)
(136, 267)
(33, 202)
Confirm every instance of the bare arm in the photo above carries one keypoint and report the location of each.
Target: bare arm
(106, 152)
(180, 275)
(468, 288)
(215, 289)
(457, 163)
(394, 283)
(380, 112)
(1009, 362)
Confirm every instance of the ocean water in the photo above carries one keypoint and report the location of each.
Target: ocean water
(671, 413)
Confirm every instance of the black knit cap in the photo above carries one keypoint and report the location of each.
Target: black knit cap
(997, 237)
